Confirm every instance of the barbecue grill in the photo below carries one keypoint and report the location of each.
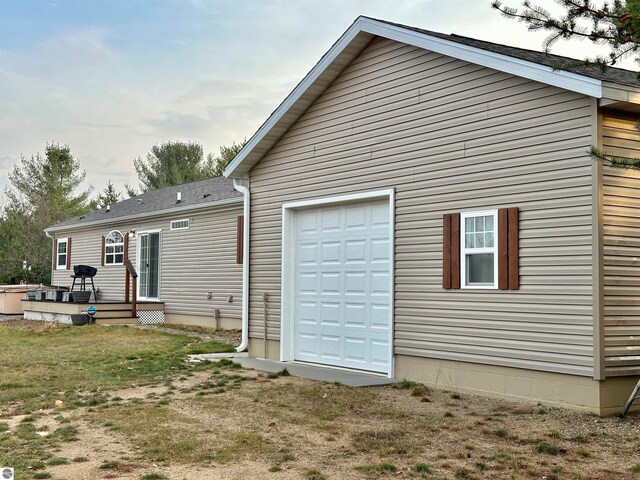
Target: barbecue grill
(83, 272)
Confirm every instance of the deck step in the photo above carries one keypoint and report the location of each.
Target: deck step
(117, 321)
(111, 313)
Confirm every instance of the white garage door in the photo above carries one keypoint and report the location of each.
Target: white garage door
(342, 286)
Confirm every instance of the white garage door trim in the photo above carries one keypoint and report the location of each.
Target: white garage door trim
(287, 326)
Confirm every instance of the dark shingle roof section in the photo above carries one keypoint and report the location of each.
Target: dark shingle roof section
(201, 192)
(614, 75)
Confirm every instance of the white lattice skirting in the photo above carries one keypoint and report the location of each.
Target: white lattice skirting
(150, 317)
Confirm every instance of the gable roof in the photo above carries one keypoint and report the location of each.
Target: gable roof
(199, 194)
(538, 66)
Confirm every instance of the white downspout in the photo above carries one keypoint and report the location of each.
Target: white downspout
(242, 187)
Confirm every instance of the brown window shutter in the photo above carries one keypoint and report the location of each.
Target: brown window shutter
(55, 252)
(102, 254)
(126, 246)
(455, 250)
(514, 249)
(69, 253)
(446, 250)
(451, 251)
(239, 239)
(503, 249)
(508, 249)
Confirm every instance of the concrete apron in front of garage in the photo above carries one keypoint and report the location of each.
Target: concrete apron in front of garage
(302, 370)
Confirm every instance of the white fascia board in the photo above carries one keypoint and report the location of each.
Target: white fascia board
(516, 66)
(522, 68)
(137, 216)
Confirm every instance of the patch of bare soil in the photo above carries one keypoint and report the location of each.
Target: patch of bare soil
(224, 336)
(230, 423)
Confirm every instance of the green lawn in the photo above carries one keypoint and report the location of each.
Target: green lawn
(40, 364)
(248, 424)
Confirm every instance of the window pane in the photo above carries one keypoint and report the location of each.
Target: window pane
(119, 248)
(115, 237)
(479, 240)
(119, 258)
(108, 249)
(488, 223)
(468, 225)
(62, 247)
(62, 260)
(108, 259)
(479, 224)
(468, 240)
(479, 269)
(488, 239)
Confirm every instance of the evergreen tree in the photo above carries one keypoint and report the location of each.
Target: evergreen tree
(42, 193)
(109, 196)
(613, 24)
(171, 163)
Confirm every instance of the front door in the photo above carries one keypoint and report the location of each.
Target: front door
(149, 265)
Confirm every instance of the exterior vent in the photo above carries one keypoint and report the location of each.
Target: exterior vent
(179, 224)
(139, 200)
(108, 208)
(206, 195)
(178, 197)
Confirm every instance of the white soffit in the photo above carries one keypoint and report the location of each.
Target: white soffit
(349, 46)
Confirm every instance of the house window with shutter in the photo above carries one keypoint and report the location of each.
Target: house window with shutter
(62, 253)
(479, 249)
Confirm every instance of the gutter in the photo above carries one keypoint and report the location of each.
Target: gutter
(134, 216)
(242, 186)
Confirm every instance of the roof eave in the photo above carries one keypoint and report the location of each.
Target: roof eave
(348, 47)
(136, 216)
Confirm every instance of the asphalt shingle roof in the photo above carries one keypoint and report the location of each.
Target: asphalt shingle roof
(201, 192)
(611, 74)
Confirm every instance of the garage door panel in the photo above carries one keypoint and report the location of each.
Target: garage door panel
(330, 220)
(330, 313)
(380, 316)
(380, 250)
(355, 315)
(330, 283)
(355, 283)
(342, 286)
(308, 254)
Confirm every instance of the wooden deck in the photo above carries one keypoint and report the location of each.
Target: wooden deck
(107, 313)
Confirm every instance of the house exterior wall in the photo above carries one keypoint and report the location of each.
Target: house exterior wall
(448, 136)
(621, 247)
(192, 262)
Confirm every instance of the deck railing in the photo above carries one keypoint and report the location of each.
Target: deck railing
(130, 272)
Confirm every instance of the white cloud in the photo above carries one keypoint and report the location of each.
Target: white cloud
(211, 73)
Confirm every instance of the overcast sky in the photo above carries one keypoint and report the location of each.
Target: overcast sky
(111, 78)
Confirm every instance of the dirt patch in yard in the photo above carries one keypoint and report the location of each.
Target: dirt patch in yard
(219, 421)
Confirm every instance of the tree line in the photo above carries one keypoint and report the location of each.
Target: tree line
(45, 189)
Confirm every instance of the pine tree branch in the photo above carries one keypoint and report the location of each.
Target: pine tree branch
(625, 163)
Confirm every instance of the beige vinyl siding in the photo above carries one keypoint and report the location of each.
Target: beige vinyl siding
(621, 229)
(448, 136)
(192, 262)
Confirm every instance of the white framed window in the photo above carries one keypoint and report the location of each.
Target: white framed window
(62, 250)
(114, 248)
(180, 224)
(479, 249)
